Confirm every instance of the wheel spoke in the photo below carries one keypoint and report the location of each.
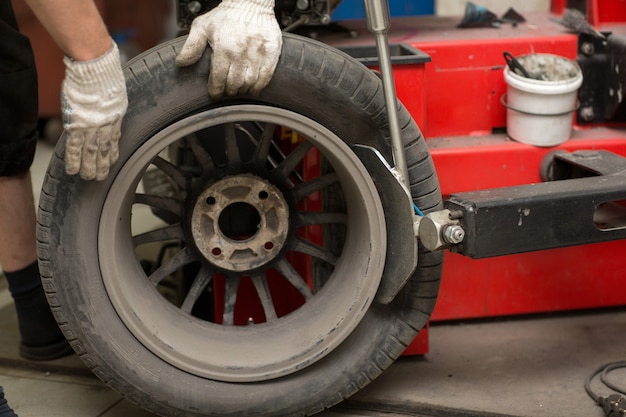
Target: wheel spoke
(294, 278)
(170, 170)
(262, 150)
(231, 286)
(314, 250)
(165, 233)
(232, 148)
(307, 218)
(263, 291)
(199, 285)
(201, 155)
(286, 167)
(309, 187)
(171, 205)
(182, 258)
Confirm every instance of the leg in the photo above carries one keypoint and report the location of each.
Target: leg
(41, 337)
(17, 223)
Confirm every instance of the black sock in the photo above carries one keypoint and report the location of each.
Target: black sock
(37, 325)
(5, 410)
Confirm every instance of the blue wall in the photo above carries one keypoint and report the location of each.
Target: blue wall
(354, 9)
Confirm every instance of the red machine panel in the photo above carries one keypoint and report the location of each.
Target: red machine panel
(464, 122)
(455, 99)
(580, 277)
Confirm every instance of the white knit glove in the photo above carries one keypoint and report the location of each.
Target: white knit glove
(93, 101)
(246, 42)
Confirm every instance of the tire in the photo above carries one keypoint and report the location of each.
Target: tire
(176, 356)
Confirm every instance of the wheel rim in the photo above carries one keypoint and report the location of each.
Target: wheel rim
(266, 187)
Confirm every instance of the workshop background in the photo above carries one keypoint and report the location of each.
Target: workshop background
(500, 286)
(138, 25)
(469, 361)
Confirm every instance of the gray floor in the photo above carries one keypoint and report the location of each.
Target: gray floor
(530, 367)
(523, 367)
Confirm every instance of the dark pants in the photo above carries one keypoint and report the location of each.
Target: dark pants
(5, 410)
(18, 96)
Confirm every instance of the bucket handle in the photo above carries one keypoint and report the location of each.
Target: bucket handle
(505, 104)
(515, 65)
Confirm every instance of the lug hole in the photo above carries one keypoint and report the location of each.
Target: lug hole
(216, 251)
(210, 200)
(263, 195)
(268, 246)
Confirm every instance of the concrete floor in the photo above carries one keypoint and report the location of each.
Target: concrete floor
(518, 367)
(530, 367)
(523, 367)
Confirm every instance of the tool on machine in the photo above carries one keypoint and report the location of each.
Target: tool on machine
(478, 17)
(378, 22)
(406, 213)
(575, 21)
(471, 222)
(581, 187)
(290, 13)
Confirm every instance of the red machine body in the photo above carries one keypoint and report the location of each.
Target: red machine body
(456, 100)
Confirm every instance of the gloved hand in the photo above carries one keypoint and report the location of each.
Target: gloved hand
(93, 101)
(246, 42)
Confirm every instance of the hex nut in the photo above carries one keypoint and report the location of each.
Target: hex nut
(437, 231)
(453, 234)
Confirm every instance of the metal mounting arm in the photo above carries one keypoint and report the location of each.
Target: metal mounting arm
(584, 203)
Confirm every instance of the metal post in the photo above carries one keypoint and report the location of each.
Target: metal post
(378, 22)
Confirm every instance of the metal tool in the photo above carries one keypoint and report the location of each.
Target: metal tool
(378, 22)
(515, 65)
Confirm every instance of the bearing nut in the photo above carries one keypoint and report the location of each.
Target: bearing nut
(437, 230)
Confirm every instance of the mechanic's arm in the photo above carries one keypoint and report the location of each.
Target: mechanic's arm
(246, 41)
(93, 95)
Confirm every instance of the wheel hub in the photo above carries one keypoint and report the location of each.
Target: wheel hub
(218, 214)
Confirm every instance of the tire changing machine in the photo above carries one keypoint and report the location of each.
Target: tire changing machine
(543, 227)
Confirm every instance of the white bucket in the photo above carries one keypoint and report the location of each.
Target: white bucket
(539, 111)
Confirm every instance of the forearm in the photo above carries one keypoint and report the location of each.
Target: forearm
(75, 25)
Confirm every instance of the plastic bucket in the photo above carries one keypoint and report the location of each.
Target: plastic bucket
(539, 111)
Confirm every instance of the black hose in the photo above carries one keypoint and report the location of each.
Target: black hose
(615, 404)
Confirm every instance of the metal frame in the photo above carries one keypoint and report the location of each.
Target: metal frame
(567, 212)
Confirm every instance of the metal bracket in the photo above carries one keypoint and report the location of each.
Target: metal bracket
(563, 165)
(585, 204)
(401, 259)
(603, 62)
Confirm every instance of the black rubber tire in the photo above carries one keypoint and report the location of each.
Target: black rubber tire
(312, 79)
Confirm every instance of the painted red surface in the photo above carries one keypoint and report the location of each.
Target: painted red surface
(580, 277)
(459, 110)
(455, 99)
